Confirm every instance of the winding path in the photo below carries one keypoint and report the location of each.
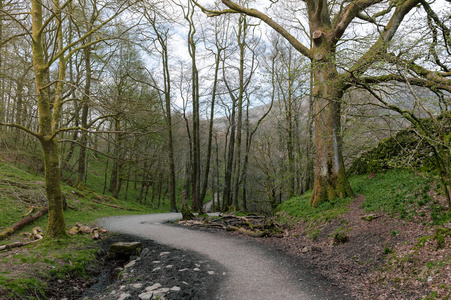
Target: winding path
(253, 271)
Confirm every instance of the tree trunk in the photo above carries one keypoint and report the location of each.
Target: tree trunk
(48, 123)
(80, 182)
(330, 178)
(56, 224)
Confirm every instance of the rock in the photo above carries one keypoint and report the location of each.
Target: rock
(304, 250)
(196, 269)
(123, 249)
(162, 291)
(144, 252)
(130, 264)
(137, 285)
(156, 262)
(175, 289)
(146, 296)
(124, 296)
(156, 269)
(153, 287)
(169, 266)
(164, 253)
(211, 272)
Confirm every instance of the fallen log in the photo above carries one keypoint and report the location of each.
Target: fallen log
(37, 234)
(79, 228)
(22, 223)
(255, 226)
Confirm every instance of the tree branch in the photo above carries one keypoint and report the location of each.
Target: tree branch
(35, 134)
(380, 46)
(235, 8)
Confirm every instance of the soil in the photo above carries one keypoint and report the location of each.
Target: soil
(378, 259)
(194, 276)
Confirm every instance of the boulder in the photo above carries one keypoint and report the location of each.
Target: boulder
(123, 249)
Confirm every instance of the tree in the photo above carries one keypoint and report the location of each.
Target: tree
(162, 34)
(47, 25)
(329, 25)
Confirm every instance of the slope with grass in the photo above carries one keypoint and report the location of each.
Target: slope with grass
(392, 241)
(26, 272)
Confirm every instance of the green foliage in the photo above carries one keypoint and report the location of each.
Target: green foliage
(388, 250)
(29, 288)
(398, 192)
(440, 235)
(299, 208)
(422, 241)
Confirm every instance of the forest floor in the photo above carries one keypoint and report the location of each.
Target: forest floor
(382, 258)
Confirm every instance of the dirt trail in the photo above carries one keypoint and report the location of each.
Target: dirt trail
(253, 270)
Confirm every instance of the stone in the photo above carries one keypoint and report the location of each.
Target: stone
(130, 264)
(304, 250)
(144, 252)
(137, 285)
(211, 272)
(156, 262)
(169, 266)
(196, 269)
(175, 289)
(164, 253)
(124, 296)
(146, 296)
(123, 249)
(156, 269)
(153, 287)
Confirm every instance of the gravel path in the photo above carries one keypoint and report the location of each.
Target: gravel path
(252, 270)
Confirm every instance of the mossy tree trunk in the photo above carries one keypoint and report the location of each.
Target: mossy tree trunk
(49, 117)
(330, 179)
(50, 106)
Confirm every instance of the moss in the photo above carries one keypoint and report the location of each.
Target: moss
(440, 235)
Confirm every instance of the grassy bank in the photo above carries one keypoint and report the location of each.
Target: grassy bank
(25, 272)
(400, 193)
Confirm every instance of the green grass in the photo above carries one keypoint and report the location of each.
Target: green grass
(298, 208)
(25, 271)
(400, 193)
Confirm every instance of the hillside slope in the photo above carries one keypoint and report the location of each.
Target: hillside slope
(25, 272)
(392, 241)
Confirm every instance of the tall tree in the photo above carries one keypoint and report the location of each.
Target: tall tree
(162, 34)
(328, 25)
(47, 25)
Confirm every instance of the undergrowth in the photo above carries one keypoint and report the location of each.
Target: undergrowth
(400, 193)
(24, 272)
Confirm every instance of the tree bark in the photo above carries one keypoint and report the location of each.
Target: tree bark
(48, 122)
(330, 178)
